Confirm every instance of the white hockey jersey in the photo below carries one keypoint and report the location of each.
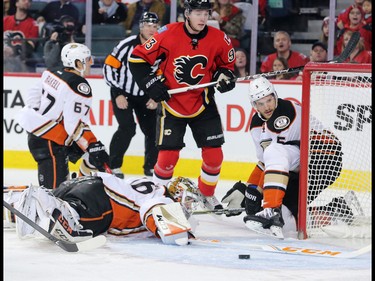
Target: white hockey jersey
(57, 109)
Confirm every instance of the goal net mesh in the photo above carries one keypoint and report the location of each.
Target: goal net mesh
(338, 201)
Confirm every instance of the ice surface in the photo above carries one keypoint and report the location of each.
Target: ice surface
(143, 257)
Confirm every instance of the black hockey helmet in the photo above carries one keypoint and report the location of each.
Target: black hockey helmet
(198, 5)
(149, 17)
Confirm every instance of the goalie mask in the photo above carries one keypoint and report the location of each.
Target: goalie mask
(260, 88)
(182, 190)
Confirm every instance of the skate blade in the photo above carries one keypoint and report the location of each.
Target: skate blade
(273, 231)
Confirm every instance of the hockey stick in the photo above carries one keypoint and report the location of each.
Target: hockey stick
(339, 59)
(107, 168)
(68, 246)
(285, 249)
(220, 211)
(354, 39)
(238, 79)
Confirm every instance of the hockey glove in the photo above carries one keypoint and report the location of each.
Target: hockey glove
(235, 198)
(155, 88)
(97, 155)
(74, 153)
(253, 200)
(225, 79)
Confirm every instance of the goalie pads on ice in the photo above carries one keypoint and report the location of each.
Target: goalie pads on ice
(50, 213)
(11, 194)
(60, 228)
(172, 225)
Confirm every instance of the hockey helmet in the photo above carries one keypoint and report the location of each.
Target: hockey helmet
(149, 17)
(182, 188)
(75, 51)
(197, 5)
(260, 88)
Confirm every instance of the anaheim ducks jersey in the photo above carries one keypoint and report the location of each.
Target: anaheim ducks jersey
(57, 109)
(132, 200)
(185, 60)
(284, 126)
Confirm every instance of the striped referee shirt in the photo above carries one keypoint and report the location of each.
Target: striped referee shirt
(116, 68)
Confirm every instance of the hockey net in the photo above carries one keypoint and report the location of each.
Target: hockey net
(335, 177)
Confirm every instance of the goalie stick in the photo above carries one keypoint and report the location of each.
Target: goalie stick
(284, 249)
(339, 59)
(68, 246)
(220, 211)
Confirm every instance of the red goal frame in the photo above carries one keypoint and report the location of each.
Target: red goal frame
(306, 83)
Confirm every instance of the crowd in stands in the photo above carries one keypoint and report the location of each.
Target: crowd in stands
(32, 37)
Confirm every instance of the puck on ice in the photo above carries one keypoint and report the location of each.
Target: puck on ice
(244, 257)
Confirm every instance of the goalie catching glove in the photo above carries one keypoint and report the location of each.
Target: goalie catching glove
(225, 79)
(97, 155)
(155, 88)
(242, 196)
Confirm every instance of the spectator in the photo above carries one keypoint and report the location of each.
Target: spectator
(62, 33)
(20, 39)
(367, 9)
(179, 12)
(128, 99)
(325, 33)
(318, 53)
(135, 11)
(242, 64)
(355, 18)
(281, 63)
(56, 9)
(359, 54)
(230, 19)
(343, 17)
(6, 6)
(282, 44)
(108, 12)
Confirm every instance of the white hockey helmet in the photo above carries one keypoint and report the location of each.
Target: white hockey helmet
(260, 88)
(75, 51)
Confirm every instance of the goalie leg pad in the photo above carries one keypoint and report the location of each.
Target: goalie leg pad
(39, 205)
(60, 228)
(172, 225)
(11, 194)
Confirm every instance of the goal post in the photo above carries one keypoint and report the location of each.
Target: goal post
(335, 175)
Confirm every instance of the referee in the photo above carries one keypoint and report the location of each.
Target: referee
(126, 97)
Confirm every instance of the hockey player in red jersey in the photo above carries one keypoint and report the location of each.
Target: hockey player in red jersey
(56, 117)
(185, 54)
(276, 133)
(88, 206)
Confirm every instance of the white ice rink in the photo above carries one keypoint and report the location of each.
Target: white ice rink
(144, 258)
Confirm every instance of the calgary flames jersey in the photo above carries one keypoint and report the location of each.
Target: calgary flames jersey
(57, 109)
(186, 60)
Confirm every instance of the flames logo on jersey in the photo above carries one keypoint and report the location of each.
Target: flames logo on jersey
(188, 69)
(15, 37)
